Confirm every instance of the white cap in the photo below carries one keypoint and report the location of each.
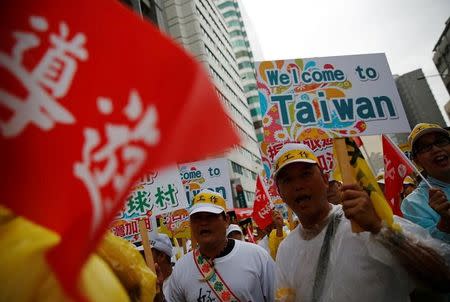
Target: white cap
(208, 201)
(234, 228)
(162, 243)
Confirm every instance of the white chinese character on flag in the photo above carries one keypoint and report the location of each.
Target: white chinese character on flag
(120, 147)
(45, 83)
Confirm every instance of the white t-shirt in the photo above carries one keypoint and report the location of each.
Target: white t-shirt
(248, 271)
(359, 268)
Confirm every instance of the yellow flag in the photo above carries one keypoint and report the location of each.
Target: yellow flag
(365, 178)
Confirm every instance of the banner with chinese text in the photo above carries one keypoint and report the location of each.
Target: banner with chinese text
(129, 228)
(156, 193)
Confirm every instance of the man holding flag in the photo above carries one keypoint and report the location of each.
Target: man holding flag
(267, 219)
(322, 260)
(429, 204)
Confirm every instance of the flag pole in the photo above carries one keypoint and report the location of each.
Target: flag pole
(146, 244)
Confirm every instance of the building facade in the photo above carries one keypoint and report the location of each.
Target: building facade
(441, 55)
(418, 101)
(201, 29)
(244, 58)
(150, 10)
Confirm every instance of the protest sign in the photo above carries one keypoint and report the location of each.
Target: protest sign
(156, 193)
(129, 228)
(210, 174)
(319, 98)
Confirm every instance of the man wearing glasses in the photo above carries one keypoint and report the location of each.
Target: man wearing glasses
(430, 208)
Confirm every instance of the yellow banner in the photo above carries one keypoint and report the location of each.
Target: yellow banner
(365, 178)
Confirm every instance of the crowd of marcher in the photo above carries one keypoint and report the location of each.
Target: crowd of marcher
(321, 259)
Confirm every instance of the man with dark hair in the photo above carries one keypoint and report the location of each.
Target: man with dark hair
(220, 269)
(322, 260)
(430, 207)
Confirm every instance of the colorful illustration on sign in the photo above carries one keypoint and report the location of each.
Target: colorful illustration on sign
(175, 224)
(328, 97)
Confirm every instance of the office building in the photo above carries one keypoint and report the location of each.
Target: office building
(200, 27)
(244, 58)
(441, 55)
(418, 101)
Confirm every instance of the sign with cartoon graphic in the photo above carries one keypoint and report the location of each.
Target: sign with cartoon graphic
(320, 98)
(175, 224)
(207, 174)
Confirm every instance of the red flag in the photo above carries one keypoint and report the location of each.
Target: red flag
(396, 167)
(262, 207)
(91, 97)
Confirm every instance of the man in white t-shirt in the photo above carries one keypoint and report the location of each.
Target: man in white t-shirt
(322, 260)
(220, 269)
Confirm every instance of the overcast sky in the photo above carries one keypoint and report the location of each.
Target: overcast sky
(405, 30)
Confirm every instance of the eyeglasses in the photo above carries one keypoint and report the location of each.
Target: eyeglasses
(440, 142)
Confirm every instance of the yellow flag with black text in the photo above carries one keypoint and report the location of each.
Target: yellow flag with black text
(365, 179)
